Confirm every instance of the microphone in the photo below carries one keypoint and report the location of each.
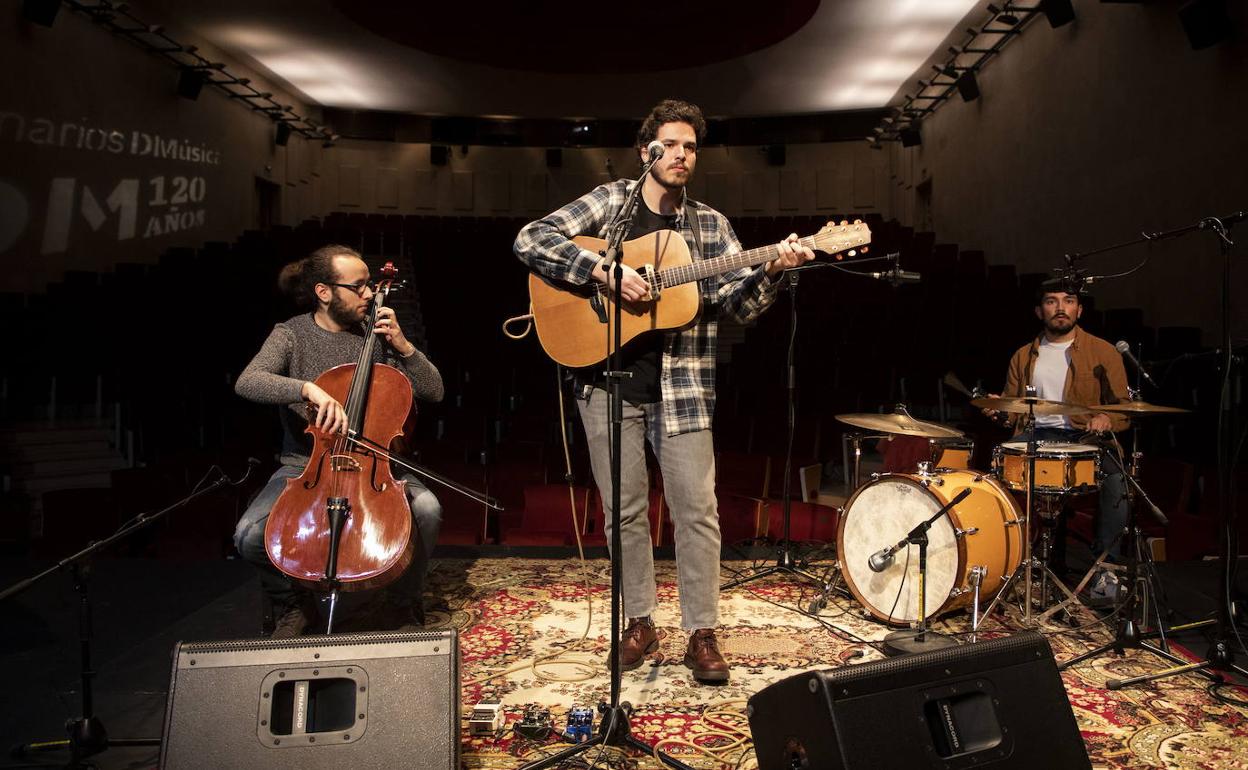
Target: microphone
(1125, 349)
(881, 559)
(896, 276)
(654, 151)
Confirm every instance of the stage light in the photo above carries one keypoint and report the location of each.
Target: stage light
(910, 136)
(283, 134)
(1205, 22)
(968, 86)
(42, 12)
(1058, 12)
(190, 83)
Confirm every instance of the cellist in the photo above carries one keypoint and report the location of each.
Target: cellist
(334, 283)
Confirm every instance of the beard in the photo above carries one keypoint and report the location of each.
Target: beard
(1059, 325)
(343, 315)
(670, 179)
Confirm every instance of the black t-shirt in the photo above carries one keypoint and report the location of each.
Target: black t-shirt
(643, 357)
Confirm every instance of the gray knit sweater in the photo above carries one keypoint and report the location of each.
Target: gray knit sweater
(299, 351)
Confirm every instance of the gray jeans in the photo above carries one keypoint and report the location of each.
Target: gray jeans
(249, 539)
(687, 462)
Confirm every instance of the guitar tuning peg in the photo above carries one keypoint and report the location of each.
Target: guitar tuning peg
(852, 252)
(857, 221)
(865, 249)
(844, 222)
(840, 257)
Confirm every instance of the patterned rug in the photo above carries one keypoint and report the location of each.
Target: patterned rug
(514, 613)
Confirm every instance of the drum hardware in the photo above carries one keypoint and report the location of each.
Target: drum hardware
(1030, 406)
(904, 642)
(965, 532)
(976, 579)
(856, 440)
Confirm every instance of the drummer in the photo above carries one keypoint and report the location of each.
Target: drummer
(1066, 363)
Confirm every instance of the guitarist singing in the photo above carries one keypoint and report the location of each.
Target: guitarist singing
(670, 393)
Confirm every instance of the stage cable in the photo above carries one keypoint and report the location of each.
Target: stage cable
(588, 669)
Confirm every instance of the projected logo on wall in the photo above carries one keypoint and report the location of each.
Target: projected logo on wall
(94, 201)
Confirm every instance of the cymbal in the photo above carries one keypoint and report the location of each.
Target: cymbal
(1139, 408)
(900, 423)
(1023, 405)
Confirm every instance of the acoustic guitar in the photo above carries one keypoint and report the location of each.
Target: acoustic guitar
(572, 321)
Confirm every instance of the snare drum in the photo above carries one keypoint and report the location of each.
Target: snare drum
(981, 531)
(1061, 468)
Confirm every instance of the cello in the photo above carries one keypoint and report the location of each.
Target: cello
(345, 523)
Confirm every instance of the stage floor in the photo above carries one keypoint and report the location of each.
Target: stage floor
(512, 611)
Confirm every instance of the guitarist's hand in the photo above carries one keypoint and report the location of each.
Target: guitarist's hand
(633, 287)
(792, 254)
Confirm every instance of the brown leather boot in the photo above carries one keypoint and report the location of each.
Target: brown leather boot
(639, 640)
(703, 657)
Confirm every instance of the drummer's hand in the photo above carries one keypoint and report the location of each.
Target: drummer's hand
(1100, 424)
(330, 416)
(991, 412)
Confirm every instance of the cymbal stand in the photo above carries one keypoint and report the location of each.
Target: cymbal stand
(1028, 563)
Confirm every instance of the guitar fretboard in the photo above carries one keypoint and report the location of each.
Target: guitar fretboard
(705, 268)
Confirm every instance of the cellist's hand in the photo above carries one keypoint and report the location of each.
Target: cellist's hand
(330, 416)
(389, 330)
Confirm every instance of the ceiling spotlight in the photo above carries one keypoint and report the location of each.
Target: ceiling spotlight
(41, 12)
(948, 70)
(1058, 12)
(910, 136)
(1003, 15)
(968, 86)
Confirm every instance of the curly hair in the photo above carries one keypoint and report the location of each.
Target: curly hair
(671, 111)
(298, 279)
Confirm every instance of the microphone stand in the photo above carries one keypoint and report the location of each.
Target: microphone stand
(920, 639)
(787, 563)
(1221, 654)
(613, 725)
(87, 734)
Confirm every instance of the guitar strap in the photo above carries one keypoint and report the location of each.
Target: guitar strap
(692, 208)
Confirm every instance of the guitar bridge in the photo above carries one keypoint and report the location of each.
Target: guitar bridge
(649, 274)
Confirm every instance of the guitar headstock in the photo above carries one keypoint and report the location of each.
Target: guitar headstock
(844, 239)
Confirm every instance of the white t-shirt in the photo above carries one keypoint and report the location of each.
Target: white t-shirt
(1049, 378)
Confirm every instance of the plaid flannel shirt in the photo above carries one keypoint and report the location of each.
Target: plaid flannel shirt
(687, 381)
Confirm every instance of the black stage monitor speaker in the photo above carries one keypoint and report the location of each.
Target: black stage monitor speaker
(996, 704)
(335, 702)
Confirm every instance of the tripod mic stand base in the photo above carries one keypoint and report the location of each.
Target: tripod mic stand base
(908, 642)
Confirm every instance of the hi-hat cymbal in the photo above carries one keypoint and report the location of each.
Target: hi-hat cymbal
(1138, 408)
(1025, 405)
(900, 423)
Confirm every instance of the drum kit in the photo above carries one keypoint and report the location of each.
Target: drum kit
(977, 527)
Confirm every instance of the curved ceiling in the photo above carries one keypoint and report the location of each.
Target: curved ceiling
(485, 59)
(591, 38)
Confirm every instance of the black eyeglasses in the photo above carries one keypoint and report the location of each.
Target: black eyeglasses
(358, 288)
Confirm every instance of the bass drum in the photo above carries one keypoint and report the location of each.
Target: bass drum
(982, 530)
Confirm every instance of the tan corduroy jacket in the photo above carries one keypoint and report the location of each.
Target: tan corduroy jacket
(1096, 376)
